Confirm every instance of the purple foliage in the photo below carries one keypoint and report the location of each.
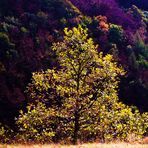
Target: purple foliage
(108, 8)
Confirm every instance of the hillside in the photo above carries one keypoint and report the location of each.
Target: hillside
(28, 29)
(73, 70)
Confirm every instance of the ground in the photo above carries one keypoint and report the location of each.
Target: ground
(94, 145)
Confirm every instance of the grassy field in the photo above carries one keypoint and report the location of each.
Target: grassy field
(94, 145)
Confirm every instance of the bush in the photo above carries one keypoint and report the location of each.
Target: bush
(5, 134)
(115, 34)
(2, 133)
(35, 125)
(112, 121)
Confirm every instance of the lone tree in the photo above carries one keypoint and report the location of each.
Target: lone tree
(81, 95)
(85, 79)
(82, 83)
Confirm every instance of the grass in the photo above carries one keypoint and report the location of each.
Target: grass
(143, 143)
(94, 145)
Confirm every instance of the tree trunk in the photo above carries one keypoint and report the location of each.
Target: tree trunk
(76, 114)
(76, 128)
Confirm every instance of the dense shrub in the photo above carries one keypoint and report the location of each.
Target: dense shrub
(36, 125)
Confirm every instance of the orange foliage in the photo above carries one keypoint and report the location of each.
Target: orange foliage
(103, 24)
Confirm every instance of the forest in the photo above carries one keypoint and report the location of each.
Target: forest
(73, 70)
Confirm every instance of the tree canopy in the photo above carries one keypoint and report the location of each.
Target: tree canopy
(81, 95)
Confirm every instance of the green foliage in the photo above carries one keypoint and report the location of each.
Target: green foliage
(36, 125)
(24, 30)
(132, 61)
(63, 22)
(6, 47)
(42, 15)
(146, 16)
(2, 133)
(114, 51)
(143, 63)
(120, 122)
(86, 20)
(138, 61)
(79, 100)
(5, 134)
(137, 13)
(115, 34)
(141, 50)
(4, 39)
(63, 8)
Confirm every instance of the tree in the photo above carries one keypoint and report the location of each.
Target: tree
(88, 78)
(6, 47)
(116, 34)
(84, 78)
(82, 94)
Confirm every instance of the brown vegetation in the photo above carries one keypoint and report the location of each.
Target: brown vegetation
(93, 145)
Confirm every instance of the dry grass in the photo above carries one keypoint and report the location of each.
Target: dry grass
(94, 145)
(143, 143)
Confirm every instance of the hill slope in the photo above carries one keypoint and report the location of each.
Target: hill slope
(28, 29)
